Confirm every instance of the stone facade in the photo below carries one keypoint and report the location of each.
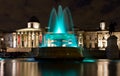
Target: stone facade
(29, 37)
(32, 37)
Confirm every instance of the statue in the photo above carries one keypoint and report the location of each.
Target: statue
(112, 27)
(112, 50)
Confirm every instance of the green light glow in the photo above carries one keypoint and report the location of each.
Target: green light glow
(60, 40)
(89, 60)
(61, 21)
(1, 59)
(60, 24)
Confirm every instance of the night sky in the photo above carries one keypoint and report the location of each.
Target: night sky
(14, 14)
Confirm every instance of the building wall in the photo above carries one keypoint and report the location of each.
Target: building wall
(102, 39)
(96, 39)
(27, 39)
(2, 41)
(8, 40)
(80, 38)
(89, 39)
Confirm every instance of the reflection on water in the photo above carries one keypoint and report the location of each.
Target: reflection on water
(102, 68)
(88, 67)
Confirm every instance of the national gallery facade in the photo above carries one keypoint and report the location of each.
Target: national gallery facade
(32, 36)
(28, 37)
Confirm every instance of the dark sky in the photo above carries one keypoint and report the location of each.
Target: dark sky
(86, 13)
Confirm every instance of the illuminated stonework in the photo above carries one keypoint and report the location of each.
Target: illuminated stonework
(96, 40)
(59, 36)
(102, 39)
(28, 37)
(102, 25)
(80, 38)
(90, 39)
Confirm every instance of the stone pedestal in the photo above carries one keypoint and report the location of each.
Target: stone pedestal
(112, 51)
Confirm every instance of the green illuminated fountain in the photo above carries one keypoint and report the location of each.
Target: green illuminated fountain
(59, 42)
(60, 32)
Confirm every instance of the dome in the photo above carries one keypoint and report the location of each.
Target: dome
(33, 22)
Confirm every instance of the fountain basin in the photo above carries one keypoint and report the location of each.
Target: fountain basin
(59, 40)
(58, 53)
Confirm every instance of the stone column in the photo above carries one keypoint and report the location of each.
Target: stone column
(29, 39)
(25, 39)
(18, 39)
(40, 38)
(14, 40)
(22, 39)
(112, 51)
(37, 39)
(33, 39)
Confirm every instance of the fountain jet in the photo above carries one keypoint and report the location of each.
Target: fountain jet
(60, 32)
(60, 42)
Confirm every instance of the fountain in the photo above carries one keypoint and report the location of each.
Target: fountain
(60, 42)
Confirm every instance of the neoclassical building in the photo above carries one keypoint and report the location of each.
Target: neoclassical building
(31, 37)
(96, 40)
(28, 37)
